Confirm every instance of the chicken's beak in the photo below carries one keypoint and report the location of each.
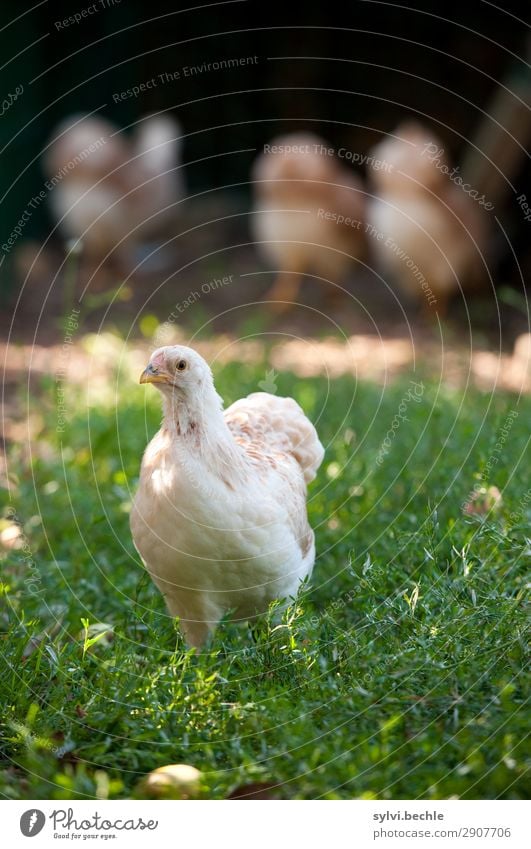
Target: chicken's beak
(152, 375)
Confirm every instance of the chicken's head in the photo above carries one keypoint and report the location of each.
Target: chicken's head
(175, 368)
(409, 160)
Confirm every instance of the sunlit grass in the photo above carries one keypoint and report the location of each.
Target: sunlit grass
(398, 672)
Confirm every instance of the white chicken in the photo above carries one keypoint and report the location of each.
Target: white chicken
(113, 191)
(426, 232)
(308, 216)
(220, 517)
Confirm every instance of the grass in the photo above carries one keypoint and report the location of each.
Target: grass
(399, 673)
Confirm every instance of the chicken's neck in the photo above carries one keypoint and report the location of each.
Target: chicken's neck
(199, 432)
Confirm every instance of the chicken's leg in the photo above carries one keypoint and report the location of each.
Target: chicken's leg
(195, 633)
(284, 291)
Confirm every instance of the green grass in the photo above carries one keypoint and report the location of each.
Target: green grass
(397, 674)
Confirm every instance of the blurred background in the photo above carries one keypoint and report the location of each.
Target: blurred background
(167, 204)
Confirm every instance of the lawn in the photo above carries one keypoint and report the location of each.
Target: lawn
(399, 671)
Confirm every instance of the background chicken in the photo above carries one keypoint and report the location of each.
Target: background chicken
(308, 213)
(220, 518)
(426, 228)
(115, 192)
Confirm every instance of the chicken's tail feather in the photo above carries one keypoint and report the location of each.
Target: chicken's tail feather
(282, 424)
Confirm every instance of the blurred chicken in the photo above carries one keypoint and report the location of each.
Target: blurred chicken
(114, 192)
(498, 149)
(309, 213)
(428, 234)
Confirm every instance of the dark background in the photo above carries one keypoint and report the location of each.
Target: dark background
(440, 61)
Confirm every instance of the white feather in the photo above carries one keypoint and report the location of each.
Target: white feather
(220, 517)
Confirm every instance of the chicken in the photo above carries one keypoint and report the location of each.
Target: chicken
(112, 191)
(219, 518)
(308, 216)
(426, 232)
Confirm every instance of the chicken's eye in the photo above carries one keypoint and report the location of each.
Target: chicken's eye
(181, 365)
